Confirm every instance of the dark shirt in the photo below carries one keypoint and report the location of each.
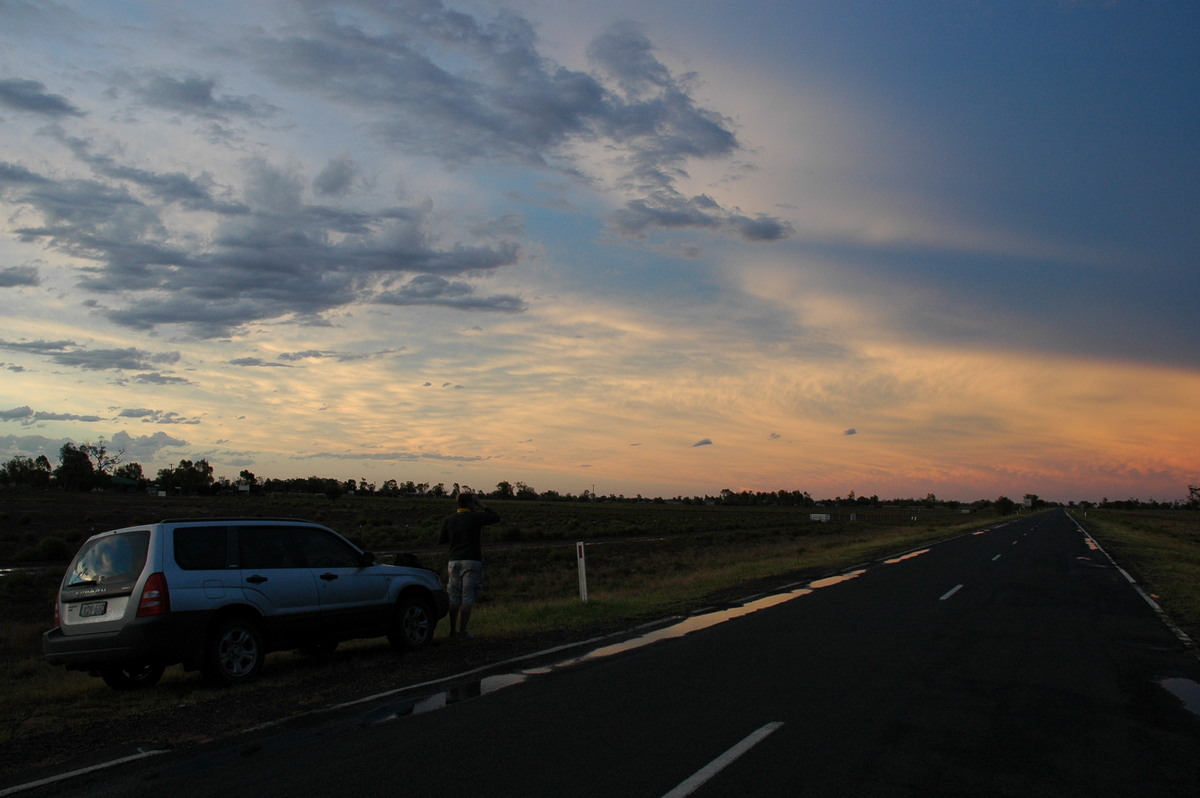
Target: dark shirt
(463, 531)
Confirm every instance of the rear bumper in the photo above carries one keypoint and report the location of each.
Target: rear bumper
(163, 640)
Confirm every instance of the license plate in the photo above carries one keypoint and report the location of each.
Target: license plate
(93, 609)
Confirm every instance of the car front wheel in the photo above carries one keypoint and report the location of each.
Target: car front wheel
(412, 625)
(235, 652)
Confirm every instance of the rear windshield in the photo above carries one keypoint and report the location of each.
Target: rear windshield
(110, 559)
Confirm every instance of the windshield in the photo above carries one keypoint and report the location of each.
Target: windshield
(113, 558)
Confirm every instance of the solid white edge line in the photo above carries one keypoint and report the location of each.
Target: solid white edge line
(723, 761)
(950, 592)
(82, 771)
(1182, 636)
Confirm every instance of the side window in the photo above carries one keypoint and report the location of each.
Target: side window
(323, 550)
(201, 548)
(267, 547)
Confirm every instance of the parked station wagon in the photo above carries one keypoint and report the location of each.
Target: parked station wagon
(218, 594)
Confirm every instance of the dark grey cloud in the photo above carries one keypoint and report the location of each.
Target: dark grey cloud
(192, 193)
(340, 357)
(851, 431)
(38, 347)
(429, 289)
(257, 362)
(27, 415)
(272, 256)
(667, 210)
(703, 442)
(423, 79)
(148, 416)
(130, 359)
(31, 96)
(68, 353)
(16, 276)
(155, 378)
(443, 83)
(337, 178)
(142, 448)
(196, 95)
(134, 448)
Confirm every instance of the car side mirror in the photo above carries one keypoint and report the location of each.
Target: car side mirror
(366, 559)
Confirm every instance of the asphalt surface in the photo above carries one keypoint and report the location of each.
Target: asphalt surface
(1018, 661)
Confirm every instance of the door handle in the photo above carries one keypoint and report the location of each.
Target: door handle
(328, 577)
(256, 579)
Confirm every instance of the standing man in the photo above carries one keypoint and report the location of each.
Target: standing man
(465, 570)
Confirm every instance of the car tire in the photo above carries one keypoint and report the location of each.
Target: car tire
(234, 653)
(132, 677)
(412, 624)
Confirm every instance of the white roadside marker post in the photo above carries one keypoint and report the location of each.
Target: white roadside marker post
(582, 571)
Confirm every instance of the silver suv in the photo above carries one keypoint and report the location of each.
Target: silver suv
(217, 594)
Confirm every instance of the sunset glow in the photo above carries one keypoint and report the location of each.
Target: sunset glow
(660, 249)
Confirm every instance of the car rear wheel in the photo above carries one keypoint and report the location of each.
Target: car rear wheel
(235, 652)
(132, 677)
(412, 624)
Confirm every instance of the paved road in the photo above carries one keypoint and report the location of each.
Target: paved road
(1017, 661)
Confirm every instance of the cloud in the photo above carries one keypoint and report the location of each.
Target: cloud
(191, 193)
(280, 259)
(154, 378)
(442, 83)
(195, 95)
(67, 353)
(148, 416)
(851, 431)
(257, 362)
(337, 178)
(391, 455)
(142, 448)
(27, 415)
(703, 442)
(429, 289)
(15, 276)
(420, 79)
(31, 96)
(122, 359)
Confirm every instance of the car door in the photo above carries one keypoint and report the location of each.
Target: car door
(354, 597)
(276, 580)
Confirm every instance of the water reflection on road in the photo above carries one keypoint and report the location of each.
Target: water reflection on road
(472, 689)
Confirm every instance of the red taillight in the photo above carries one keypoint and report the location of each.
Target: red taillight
(155, 600)
(57, 617)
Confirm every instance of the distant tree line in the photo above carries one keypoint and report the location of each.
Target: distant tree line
(91, 466)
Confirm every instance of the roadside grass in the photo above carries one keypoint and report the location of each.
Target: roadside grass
(529, 589)
(635, 581)
(1161, 550)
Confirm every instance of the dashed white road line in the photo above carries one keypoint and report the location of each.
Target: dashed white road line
(950, 592)
(723, 761)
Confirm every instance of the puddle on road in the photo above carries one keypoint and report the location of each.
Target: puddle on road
(694, 623)
(1186, 691)
(904, 557)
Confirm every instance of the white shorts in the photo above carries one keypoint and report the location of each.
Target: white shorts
(465, 578)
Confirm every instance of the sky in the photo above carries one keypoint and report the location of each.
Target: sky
(660, 249)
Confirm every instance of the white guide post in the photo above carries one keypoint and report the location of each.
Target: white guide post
(579, 555)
